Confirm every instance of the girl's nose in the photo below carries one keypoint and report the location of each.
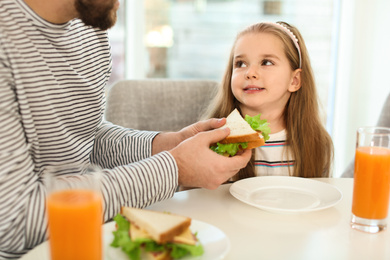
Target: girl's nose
(251, 73)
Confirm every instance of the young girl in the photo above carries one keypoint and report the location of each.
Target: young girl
(269, 72)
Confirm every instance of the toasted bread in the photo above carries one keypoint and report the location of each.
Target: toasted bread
(161, 227)
(257, 143)
(241, 131)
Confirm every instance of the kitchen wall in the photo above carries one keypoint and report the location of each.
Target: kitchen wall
(363, 72)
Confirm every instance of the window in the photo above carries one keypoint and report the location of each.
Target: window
(192, 38)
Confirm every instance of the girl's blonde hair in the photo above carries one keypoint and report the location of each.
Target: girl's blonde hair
(310, 144)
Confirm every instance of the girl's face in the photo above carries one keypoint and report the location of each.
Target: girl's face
(262, 79)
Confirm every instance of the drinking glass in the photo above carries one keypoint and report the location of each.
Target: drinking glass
(371, 188)
(75, 212)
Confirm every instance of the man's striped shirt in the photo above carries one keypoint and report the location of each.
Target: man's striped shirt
(52, 85)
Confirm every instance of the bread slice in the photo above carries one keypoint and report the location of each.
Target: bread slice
(240, 130)
(161, 227)
(257, 143)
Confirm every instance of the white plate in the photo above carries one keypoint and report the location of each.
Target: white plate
(215, 243)
(283, 194)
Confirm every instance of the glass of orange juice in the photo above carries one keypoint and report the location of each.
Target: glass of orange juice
(371, 189)
(75, 213)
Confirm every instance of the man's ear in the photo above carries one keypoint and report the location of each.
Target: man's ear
(295, 81)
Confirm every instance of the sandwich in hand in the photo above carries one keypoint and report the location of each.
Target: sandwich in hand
(146, 234)
(244, 134)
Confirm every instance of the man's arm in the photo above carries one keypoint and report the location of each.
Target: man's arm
(133, 177)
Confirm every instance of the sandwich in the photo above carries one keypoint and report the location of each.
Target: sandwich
(145, 234)
(247, 133)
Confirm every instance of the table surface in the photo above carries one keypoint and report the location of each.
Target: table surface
(259, 234)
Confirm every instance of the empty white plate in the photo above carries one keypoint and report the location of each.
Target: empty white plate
(282, 194)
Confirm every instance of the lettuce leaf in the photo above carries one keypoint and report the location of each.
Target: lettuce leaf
(230, 149)
(133, 248)
(181, 250)
(259, 125)
(123, 241)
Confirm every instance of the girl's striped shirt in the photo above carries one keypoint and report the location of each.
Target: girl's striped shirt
(274, 158)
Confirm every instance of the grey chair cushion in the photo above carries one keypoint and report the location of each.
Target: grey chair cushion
(158, 104)
(384, 120)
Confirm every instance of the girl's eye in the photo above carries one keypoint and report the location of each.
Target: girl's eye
(239, 64)
(266, 63)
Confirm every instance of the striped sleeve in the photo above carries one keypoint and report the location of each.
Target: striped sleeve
(139, 184)
(115, 145)
(136, 179)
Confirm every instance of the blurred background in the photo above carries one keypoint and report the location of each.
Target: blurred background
(348, 43)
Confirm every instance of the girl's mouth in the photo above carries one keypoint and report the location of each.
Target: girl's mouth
(252, 89)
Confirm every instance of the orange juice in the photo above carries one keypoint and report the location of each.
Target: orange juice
(371, 183)
(75, 225)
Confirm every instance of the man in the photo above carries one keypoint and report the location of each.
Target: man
(53, 71)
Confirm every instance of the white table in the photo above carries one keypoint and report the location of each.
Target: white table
(257, 234)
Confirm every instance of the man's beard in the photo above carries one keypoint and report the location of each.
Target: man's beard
(101, 16)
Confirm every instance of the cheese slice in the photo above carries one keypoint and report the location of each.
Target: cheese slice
(184, 238)
(136, 232)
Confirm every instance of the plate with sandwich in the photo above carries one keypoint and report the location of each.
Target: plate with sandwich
(139, 234)
(245, 133)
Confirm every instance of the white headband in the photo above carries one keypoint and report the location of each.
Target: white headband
(292, 36)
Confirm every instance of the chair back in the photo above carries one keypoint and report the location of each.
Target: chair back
(158, 104)
(384, 118)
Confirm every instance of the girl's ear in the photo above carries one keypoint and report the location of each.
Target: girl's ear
(295, 81)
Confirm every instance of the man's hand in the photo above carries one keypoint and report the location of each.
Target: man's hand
(199, 166)
(169, 140)
(202, 126)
